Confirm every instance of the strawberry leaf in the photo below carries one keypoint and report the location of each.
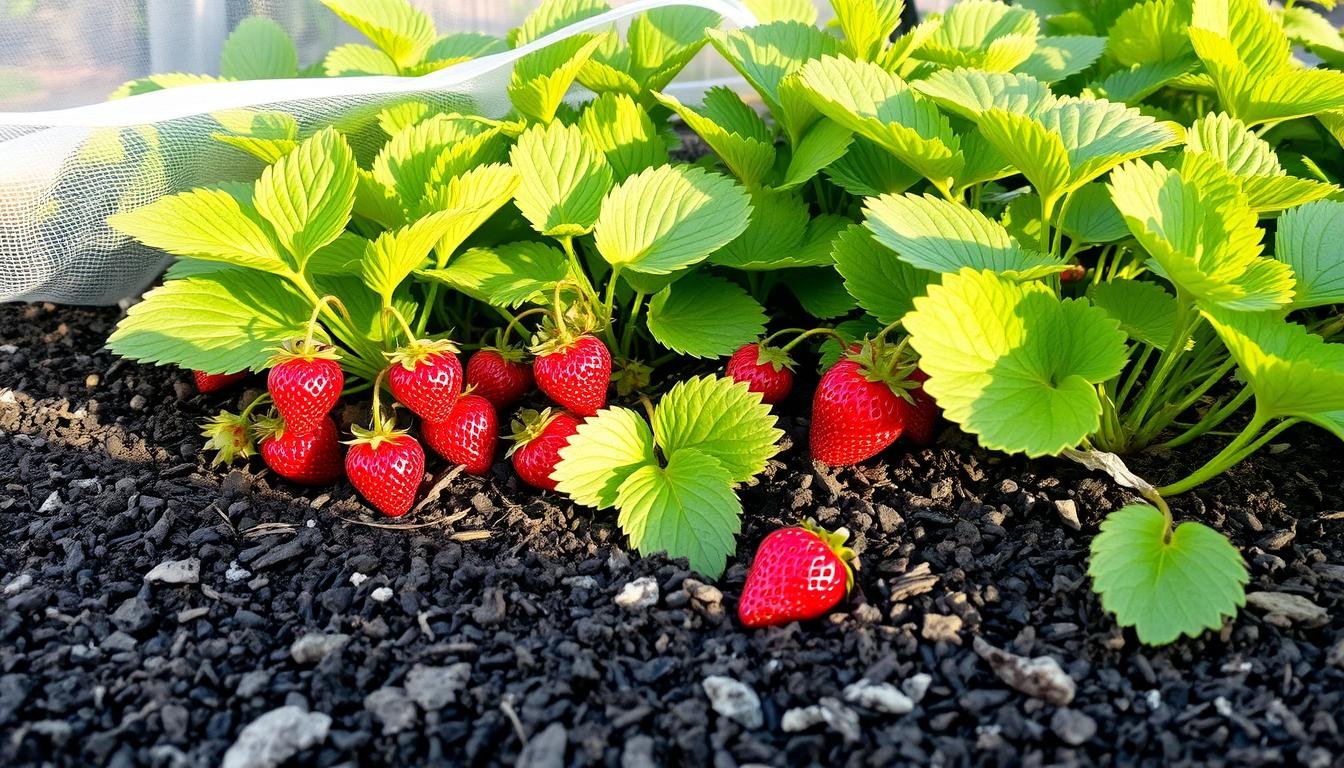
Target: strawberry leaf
(218, 323)
(308, 194)
(1308, 240)
(995, 350)
(625, 133)
(720, 418)
(564, 178)
(749, 155)
(1057, 58)
(207, 224)
(1165, 587)
(400, 30)
(883, 284)
(702, 315)
(606, 450)
(507, 275)
(356, 59)
(1145, 311)
(823, 144)
(867, 25)
(776, 231)
(666, 218)
(551, 15)
(686, 508)
(541, 79)
(820, 291)
(258, 49)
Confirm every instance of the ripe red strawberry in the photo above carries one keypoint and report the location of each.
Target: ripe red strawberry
(468, 436)
(799, 573)
(305, 382)
(426, 377)
(386, 466)
(767, 370)
(311, 459)
(207, 383)
(574, 373)
(540, 436)
(499, 375)
(923, 415)
(861, 406)
(1074, 273)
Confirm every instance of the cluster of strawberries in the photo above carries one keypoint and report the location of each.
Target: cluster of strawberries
(300, 442)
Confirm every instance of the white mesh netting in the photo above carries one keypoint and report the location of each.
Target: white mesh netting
(64, 171)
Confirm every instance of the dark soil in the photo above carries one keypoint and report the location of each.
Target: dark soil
(101, 482)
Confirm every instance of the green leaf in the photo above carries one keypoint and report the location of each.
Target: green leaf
(625, 133)
(971, 25)
(720, 418)
(1151, 33)
(1092, 217)
(1239, 150)
(820, 291)
(606, 449)
(541, 79)
(884, 285)
(1145, 311)
(867, 25)
(1165, 587)
(205, 224)
(406, 163)
(1011, 363)
(356, 59)
(552, 15)
(1057, 58)
(340, 257)
(882, 108)
(463, 46)
(1292, 371)
(1201, 233)
(664, 35)
(267, 136)
(823, 144)
(666, 218)
(1308, 240)
(972, 92)
(942, 236)
(765, 54)
(686, 508)
(1035, 150)
(308, 195)
(1141, 80)
(217, 323)
(749, 158)
(472, 198)
(778, 225)
(507, 275)
(564, 178)
(702, 315)
(394, 255)
(258, 49)
(766, 11)
(398, 28)
(867, 170)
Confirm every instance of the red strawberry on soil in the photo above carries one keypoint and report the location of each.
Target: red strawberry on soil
(861, 405)
(311, 459)
(386, 466)
(426, 377)
(799, 573)
(767, 370)
(540, 436)
(305, 382)
(499, 374)
(574, 372)
(206, 383)
(923, 417)
(468, 436)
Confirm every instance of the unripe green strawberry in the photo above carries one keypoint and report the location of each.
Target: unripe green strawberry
(799, 573)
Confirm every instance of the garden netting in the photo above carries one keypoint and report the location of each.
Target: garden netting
(64, 171)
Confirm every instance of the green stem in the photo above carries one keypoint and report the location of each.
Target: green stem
(815, 332)
(1211, 419)
(1135, 370)
(779, 333)
(401, 321)
(1169, 414)
(609, 304)
(1058, 241)
(1186, 322)
(1047, 206)
(515, 324)
(628, 334)
(580, 275)
(431, 299)
(1243, 445)
(264, 397)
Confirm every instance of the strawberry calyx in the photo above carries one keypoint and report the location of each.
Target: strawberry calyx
(835, 541)
(631, 376)
(528, 425)
(883, 363)
(507, 352)
(229, 435)
(775, 357)
(419, 351)
(561, 331)
(268, 427)
(303, 349)
(379, 432)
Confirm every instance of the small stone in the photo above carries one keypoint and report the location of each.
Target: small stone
(253, 683)
(118, 642)
(381, 594)
(638, 595)
(1283, 610)
(357, 579)
(835, 715)
(392, 708)
(237, 573)
(52, 503)
(638, 752)
(1068, 512)
(191, 614)
(138, 403)
(433, 688)
(132, 615)
(546, 749)
(315, 646)
(882, 697)
(941, 627)
(175, 719)
(1222, 706)
(580, 582)
(734, 700)
(703, 593)
(19, 584)
(1073, 727)
(275, 737)
(917, 686)
(176, 572)
(1336, 654)
(1041, 677)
